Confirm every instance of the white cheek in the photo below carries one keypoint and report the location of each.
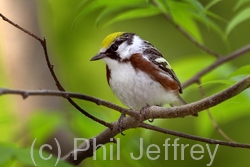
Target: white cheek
(125, 50)
(137, 46)
(111, 63)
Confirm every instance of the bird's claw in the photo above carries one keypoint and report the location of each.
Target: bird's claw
(144, 112)
(119, 124)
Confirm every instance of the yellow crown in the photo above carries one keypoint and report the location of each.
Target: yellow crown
(110, 38)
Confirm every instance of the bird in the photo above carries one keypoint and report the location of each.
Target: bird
(137, 72)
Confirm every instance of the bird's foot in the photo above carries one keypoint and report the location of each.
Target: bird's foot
(144, 112)
(119, 123)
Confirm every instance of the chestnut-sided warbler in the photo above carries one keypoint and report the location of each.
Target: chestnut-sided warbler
(137, 73)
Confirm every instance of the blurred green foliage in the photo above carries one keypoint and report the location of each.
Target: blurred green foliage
(74, 31)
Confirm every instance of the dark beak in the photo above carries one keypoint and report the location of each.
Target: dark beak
(98, 56)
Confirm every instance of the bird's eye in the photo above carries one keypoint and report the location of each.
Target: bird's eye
(114, 47)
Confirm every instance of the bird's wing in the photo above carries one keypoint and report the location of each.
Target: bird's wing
(157, 59)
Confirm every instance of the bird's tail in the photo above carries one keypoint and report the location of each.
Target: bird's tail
(181, 102)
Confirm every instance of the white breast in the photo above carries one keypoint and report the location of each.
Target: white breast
(135, 88)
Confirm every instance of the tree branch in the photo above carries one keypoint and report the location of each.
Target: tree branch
(26, 93)
(216, 64)
(103, 138)
(151, 112)
(108, 135)
(159, 112)
(192, 137)
(195, 107)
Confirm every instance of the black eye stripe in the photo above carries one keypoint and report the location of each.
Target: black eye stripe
(114, 47)
(111, 51)
(115, 56)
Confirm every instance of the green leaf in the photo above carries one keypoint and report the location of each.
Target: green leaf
(162, 6)
(81, 4)
(184, 15)
(203, 14)
(215, 16)
(211, 24)
(215, 27)
(243, 71)
(135, 13)
(196, 4)
(96, 5)
(107, 12)
(91, 7)
(211, 3)
(240, 3)
(114, 11)
(239, 18)
(186, 21)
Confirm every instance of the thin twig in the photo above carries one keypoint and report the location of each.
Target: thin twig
(192, 137)
(216, 64)
(216, 126)
(26, 93)
(60, 87)
(193, 40)
(51, 69)
(20, 28)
